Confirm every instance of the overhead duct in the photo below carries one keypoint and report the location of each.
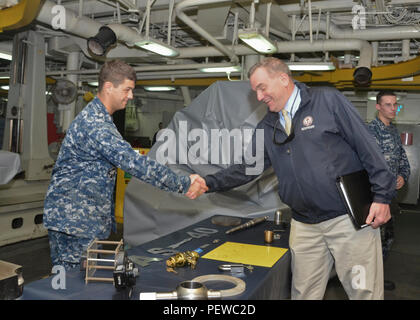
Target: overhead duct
(77, 25)
(362, 75)
(377, 34)
(184, 5)
(87, 28)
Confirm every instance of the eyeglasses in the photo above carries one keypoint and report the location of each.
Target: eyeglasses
(288, 138)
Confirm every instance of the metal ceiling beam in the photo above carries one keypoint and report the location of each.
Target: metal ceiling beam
(392, 72)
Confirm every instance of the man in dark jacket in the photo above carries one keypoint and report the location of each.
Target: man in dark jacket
(320, 137)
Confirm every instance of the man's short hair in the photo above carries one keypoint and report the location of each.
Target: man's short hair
(272, 65)
(383, 94)
(115, 71)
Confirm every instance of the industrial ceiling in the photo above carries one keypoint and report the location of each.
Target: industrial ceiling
(381, 36)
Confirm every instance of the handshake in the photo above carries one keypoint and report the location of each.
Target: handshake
(197, 188)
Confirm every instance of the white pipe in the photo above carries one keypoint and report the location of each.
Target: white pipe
(148, 6)
(327, 34)
(181, 15)
(267, 23)
(186, 95)
(252, 15)
(376, 34)
(80, 8)
(125, 34)
(170, 15)
(69, 111)
(310, 21)
(86, 28)
(292, 56)
(406, 49)
(150, 68)
(375, 46)
(81, 26)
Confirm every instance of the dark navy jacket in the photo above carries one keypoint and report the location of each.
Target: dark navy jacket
(330, 140)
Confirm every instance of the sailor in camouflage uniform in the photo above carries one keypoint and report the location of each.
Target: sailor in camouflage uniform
(79, 205)
(389, 141)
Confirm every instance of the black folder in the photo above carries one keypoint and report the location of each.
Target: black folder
(355, 190)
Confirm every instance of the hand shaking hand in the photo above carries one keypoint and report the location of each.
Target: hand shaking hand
(197, 188)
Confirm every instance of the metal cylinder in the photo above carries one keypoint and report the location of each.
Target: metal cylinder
(278, 217)
(268, 236)
(191, 290)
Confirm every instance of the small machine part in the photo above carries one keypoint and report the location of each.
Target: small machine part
(248, 224)
(216, 241)
(226, 221)
(162, 251)
(187, 290)
(278, 217)
(277, 236)
(239, 287)
(268, 236)
(235, 268)
(181, 259)
(11, 281)
(196, 290)
(124, 272)
(142, 260)
(176, 245)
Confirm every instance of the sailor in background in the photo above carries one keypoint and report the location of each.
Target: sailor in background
(388, 139)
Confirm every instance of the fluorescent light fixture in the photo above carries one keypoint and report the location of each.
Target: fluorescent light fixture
(257, 40)
(311, 66)
(93, 83)
(159, 88)
(4, 77)
(5, 87)
(222, 69)
(5, 56)
(158, 47)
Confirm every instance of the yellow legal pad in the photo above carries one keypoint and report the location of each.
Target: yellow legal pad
(263, 256)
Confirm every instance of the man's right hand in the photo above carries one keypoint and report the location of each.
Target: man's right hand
(197, 188)
(400, 182)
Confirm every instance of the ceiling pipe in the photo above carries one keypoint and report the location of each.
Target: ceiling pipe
(81, 26)
(85, 27)
(184, 5)
(377, 34)
(169, 67)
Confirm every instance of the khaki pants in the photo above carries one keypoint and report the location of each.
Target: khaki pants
(357, 255)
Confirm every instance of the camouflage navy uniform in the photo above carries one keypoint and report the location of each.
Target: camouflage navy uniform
(79, 205)
(389, 141)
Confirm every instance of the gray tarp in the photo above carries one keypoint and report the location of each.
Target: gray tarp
(9, 166)
(150, 213)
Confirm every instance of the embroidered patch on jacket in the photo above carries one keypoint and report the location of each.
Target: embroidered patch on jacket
(308, 123)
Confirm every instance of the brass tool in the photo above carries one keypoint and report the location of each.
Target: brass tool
(181, 259)
(248, 224)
